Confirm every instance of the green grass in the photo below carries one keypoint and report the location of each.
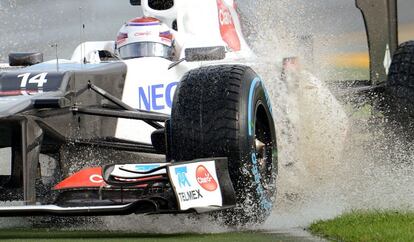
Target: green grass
(367, 226)
(61, 235)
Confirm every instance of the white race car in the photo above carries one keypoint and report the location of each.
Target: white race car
(187, 94)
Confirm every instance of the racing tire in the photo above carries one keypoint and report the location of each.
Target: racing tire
(224, 111)
(399, 91)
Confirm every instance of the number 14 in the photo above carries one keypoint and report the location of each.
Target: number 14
(39, 79)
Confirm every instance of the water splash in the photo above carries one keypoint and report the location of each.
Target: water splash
(330, 161)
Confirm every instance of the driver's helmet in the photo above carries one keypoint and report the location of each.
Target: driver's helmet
(144, 37)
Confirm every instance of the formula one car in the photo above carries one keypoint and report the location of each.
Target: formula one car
(211, 144)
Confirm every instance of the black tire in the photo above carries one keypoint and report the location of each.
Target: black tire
(222, 111)
(399, 92)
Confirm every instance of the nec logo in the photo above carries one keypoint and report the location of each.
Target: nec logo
(156, 97)
(181, 173)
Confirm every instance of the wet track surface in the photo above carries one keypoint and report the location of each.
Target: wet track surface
(292, 235)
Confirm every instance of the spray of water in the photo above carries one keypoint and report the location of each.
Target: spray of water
(330, 161)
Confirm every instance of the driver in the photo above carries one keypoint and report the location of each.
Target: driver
(145, 37)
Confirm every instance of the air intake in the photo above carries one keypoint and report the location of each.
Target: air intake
(161, 4)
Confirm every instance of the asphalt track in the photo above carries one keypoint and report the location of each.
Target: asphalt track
(292, 235)
(142, 228)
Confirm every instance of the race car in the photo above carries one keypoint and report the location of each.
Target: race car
(125, 127)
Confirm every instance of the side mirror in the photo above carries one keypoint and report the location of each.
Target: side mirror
(25, 59)
(135, 2)
(205, 53)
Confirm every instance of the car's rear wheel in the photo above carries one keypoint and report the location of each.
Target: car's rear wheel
(399, 91)
(225, 111)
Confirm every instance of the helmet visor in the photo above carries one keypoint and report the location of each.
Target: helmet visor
(145, 49)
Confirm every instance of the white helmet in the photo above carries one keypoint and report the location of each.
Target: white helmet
(144, 37)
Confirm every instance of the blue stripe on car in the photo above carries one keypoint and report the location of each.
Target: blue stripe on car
(252, 85)
(264, 201)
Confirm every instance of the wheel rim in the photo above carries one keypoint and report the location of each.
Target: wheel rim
(263, 147)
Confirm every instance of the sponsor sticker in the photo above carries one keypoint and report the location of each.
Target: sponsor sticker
(144, 168)
(95, 178)
(196, 185)
(89, 177)
(227, 27)
(123, 171)
(156, 97)
(181, 173)
(205, 179)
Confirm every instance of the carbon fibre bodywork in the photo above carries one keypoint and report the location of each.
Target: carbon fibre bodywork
(39, 120)
(41, 111)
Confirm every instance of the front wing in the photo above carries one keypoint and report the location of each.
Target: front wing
(201, 185)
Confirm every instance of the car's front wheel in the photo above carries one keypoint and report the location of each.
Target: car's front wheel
(225, 111)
